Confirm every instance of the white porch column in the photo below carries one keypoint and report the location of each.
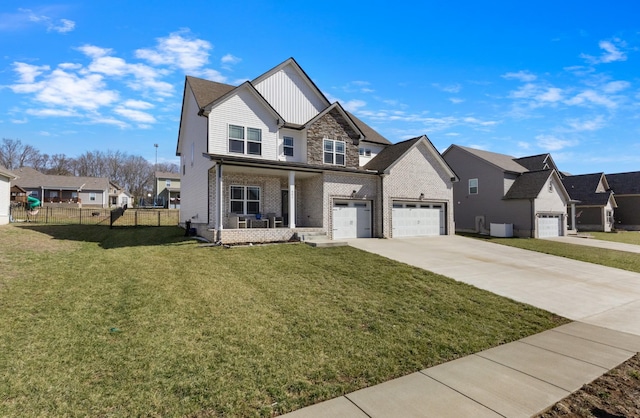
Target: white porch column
(219, 199)
(292, 199)
(573, 216)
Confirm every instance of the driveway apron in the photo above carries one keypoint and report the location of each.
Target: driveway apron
(580, 291)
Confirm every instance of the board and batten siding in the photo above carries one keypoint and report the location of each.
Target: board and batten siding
(243, 109)
(194, 167)
(291, 95)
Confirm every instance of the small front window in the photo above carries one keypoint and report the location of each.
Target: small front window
(236, 139)
(254, 141)
(288, 146)
(473, 186)
(92, 197)
(168, 183)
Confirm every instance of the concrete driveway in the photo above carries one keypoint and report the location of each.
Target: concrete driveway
(580, 291)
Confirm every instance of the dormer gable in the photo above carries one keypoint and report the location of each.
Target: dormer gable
(291, 92)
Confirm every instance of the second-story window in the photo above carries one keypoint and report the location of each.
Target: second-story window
(288, 146)
(239, 141)
(473, 186)
(334, 152)
(168, 183)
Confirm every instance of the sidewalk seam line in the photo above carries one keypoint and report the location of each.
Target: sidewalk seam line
(356, 405)
(575, 358)
(456, 390)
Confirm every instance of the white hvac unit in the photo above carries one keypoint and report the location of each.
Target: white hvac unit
(501, 230)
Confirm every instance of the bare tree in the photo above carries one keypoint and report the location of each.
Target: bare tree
(14, 155)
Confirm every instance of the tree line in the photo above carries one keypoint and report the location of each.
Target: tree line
(131, 172)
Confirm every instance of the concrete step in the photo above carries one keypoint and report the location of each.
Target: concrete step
(326, 243)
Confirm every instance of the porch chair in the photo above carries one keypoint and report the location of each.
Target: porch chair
(274, 221)
(237, 221)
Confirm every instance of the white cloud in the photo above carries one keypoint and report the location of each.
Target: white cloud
(552, 94)
(612, 52)
(52, 112)
(59, 25)
(450, 88)
(456, 100)
(553, 143)
(27, 73)
(353, 105)
(586, 124)
(616, 86)
(229, 59)
(588, 97)
(138, 104)
(135, 115)
(184, 52)
(524, 76)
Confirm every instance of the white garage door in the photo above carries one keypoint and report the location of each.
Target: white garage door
(417, 219)
(351, 219)
(549, 226)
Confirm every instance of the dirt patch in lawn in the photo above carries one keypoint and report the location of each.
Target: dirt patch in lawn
(614, 395)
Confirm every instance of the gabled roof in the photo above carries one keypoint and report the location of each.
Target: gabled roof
(529, 184)
(624, 183)
(341, 110)
(251, 89)
(537, 162)
(502, 161)
(207, 92)
(6, 173)
(167, 175)
(583, 189)
(390, 155)
(30, 178)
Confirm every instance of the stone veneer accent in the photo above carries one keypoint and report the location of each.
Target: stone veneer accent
(332, 126)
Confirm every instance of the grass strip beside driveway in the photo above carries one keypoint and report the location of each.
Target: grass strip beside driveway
(605, 257)
(140, 322)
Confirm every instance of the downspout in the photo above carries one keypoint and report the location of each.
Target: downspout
(382, 175)
(532, 232)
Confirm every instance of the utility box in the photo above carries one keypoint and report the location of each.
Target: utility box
(501, 230)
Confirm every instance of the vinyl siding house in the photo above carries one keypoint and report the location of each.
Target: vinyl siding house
(501, 190)
(272, 159)
(594, 202)
(5, 194)
(626, 189)
(64, 190)
(168, 189)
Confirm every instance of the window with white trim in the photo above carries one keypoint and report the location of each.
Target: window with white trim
(168, 183)
(244, 200)
(334, 152)
(287, 146)
(364, 152)
(92, 197)
(473, 186)
(245, 141)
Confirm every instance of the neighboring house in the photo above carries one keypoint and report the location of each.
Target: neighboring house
(119, 197)
(168, 189)
(501, 190)
(272, 158)
(59, 190)
(6, 177)
(594, 202)
(626, 189)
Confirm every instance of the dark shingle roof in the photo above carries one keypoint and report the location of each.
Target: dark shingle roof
(502, 161)
(528, 185)
(206, 91)
(30, 178)
(537, 162)
(624, 183)
(369, 134)
(583, 188)
(389, 155)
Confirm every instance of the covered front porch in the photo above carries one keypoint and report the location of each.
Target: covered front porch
(259, 204)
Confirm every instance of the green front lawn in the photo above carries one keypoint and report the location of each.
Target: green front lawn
(140, 322)
(627, 237)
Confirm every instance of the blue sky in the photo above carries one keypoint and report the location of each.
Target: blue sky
(509, 77)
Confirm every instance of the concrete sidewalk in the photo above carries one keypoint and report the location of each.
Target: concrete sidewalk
(592, 242)
(518, 379)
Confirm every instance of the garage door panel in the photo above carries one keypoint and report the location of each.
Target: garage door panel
(549, 226)
(351, 219)
(410, 220)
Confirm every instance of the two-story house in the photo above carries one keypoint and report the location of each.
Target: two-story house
(272, 158)
(168, 189)
(592, 203)
(626, 187)
(526, 193)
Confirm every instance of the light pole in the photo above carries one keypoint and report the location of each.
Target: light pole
(155, 180)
